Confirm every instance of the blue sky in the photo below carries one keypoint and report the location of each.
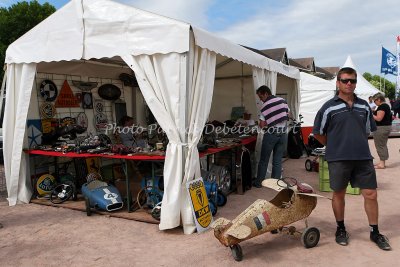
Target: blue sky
(327, 30)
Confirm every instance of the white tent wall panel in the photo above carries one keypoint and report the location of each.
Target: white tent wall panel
(228, 94)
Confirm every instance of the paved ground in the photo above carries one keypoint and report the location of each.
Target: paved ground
(36, 235)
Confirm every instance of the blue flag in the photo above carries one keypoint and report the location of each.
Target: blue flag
(389, 62)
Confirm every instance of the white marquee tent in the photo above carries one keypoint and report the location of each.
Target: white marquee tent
(363, 89)
(174, 63)
(314, 92)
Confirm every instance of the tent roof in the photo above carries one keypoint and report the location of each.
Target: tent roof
(310, 82)
(363, 89)
(87, 29)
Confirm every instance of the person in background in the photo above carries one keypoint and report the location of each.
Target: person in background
(396, 108)
(343, 124)
(371, 103)
(383, 118)
(127, 133)
(273, 122)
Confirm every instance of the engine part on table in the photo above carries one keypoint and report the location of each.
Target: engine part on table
(121, 149)
(100, 195)
(98, 150)
(109, 91)
(62, 192)
(69, 131)
(222, 176)
(209, 136)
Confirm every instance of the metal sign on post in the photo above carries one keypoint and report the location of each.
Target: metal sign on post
(200, 208)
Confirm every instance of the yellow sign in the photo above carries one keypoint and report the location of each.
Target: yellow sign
(201, 209)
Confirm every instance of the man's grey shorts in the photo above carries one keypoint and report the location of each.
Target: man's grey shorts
(360, 173)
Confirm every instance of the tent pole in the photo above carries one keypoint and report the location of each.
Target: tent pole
(3, 90)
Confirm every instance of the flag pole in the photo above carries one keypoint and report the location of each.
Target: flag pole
(397, 93)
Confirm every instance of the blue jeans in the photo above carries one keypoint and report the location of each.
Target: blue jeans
(272, 142)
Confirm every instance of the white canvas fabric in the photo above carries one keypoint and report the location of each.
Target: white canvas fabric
(363, 89)
(165, 94)
(314, 93)
(199, 100)
(15, 114)
(268, 78)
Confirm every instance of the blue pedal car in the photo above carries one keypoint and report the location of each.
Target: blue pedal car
(100, 195)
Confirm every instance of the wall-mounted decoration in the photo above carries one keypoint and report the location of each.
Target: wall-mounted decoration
(34, 132)
(87, 100)
(67, 121)
(66, 99)
(100, 121)
(85, 86)
(82, 120)
(99, 106)
(49, 125)
(109, 91)
(48, 90)
(47, 110)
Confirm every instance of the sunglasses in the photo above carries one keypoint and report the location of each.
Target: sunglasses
(346, 81)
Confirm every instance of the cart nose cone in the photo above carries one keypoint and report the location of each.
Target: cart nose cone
(115, 206)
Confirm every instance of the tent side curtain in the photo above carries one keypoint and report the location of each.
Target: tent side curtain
(159, 83)
(20, 78)
(199, 105)
(162, 81)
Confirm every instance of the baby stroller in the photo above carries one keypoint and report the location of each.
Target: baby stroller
(317, 150)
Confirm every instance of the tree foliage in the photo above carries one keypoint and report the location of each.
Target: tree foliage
(386, 86)
(18, 19)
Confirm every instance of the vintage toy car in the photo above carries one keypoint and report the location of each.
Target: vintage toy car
(293, 202)
(100, 195)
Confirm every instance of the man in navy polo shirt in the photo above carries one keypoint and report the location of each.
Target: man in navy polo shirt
(343, 124)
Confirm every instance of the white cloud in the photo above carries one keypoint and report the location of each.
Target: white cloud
(327, 30)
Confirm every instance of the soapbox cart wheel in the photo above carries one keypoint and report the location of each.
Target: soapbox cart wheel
(88, 210)
(221, 199)
(309, 165)
(310, 237)
(237, 252)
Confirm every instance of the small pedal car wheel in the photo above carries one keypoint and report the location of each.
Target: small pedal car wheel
(310, 237)
(88, 210)
(221, 199)
(237, 252)
(213, 207)
(309, 165)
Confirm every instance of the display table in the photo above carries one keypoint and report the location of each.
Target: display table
(143, 157)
